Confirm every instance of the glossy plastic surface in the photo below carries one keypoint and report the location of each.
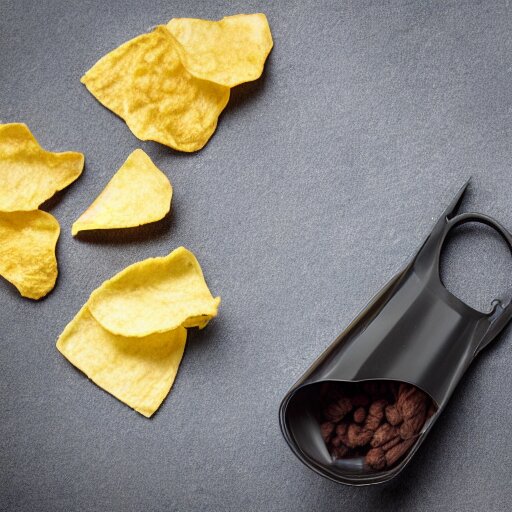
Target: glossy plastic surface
(414, 330)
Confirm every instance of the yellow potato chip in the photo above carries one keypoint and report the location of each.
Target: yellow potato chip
(137, 194)
(227, 52)
(144, 82)
(155, 295)
(138, 371)
(29, 175)
(27, 251)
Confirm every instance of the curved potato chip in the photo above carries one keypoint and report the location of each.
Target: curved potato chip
(27, 251)
(228, 52)
(144, 82)
(155, 295)
(138, 371)
(137, 194)
(29, 175)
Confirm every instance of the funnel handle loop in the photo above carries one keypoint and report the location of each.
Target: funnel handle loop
(500, 314)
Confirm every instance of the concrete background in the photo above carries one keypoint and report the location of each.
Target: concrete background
(322, 179)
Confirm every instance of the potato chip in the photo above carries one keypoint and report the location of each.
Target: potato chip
(29, 175)
(228, 52)
(155, 295)
(144, 82)
(138, 371)
(137, 194)
(27, 251)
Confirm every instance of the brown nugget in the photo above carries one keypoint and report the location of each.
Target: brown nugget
(326, 429)
(339, 409)
(376, 458)
(404, 393)
(360, 415)
(391, 443)
(411, 426)
(393, 415)
(358, 436)
(383, 434)
(410, 401)
(398, 451)
(375, 415)
(341, 432)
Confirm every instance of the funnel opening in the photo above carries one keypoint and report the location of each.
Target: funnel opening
(336, 427)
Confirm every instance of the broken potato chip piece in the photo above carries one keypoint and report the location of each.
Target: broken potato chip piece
(27, 251)
(139, 193)
(155, 295)
(29, 175)
(228, 52)
(144, 82)
(138, 371)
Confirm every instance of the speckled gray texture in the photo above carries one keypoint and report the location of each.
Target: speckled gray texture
(322, 178)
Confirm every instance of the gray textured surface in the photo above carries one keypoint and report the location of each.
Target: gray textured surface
(321, 180)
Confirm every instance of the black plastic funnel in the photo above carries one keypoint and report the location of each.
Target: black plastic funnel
(415, 331)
